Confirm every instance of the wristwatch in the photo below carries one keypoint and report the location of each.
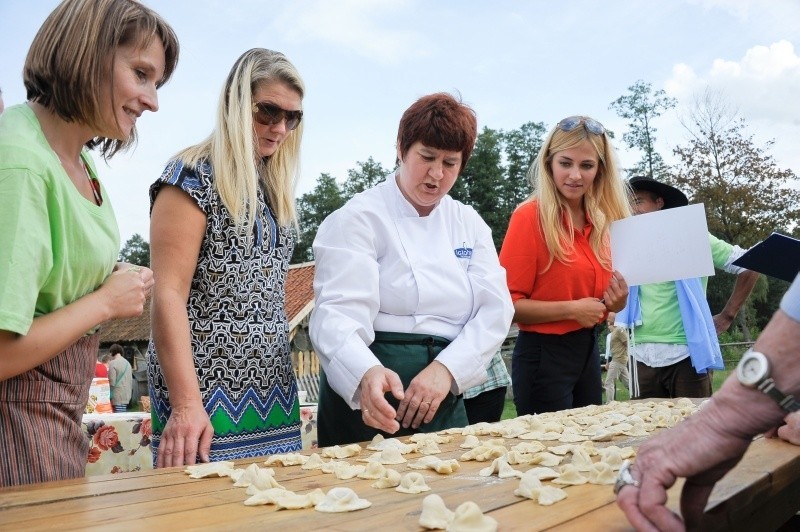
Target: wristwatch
(753, 371)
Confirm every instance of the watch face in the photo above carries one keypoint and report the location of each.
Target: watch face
(752, 369)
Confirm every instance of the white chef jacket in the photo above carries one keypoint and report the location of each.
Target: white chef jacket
(382, 267)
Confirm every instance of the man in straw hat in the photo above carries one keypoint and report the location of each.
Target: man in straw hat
(674, 342)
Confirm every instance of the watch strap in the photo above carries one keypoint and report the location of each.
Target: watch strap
(786, 401)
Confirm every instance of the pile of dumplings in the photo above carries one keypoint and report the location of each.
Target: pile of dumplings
(544, 454)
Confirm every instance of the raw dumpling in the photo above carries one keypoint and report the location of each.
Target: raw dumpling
(342, 452)
(529, 447)
(267, 496)
(528, 484)
(426, 462)
(260, 478)
(482, 453)
(501, 467)
(420, 437)
(390, 479)
(550, 494)
(602, 473)
(446, 467)
(570, 476)
(435, 514)
(341, 500)
(412, 483)
(546, 459)
(345, 471)
(330, 467)
(288, 459)
(468, 517)
(314, 461)
(293, 501)
(220, 469)
(428, 447)
(373, 471)
(581, 459)
(470, 442)
(390, 456)
(543, 473)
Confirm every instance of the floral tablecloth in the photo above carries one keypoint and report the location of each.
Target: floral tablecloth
(308, 429)
(118, 443)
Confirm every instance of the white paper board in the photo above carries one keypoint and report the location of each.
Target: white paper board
(662, 246)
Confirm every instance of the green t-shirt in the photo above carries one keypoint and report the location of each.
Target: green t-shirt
(55, 245)
(661, 313)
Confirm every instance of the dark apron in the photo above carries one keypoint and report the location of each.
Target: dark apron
(405, 354)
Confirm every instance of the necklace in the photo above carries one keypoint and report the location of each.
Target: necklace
(98, 199)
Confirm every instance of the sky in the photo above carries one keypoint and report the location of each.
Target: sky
(513, 61)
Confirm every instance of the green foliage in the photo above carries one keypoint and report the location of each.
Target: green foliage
(367, 175)
(312, 208)
(482, 181)
(641, 106)
(746, 195)
(136, 251)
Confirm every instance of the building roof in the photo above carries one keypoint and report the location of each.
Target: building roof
(299, 303)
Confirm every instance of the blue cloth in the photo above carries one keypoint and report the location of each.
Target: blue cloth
(701, 335)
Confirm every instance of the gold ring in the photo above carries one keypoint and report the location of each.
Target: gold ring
(426, 402)
(135, 269)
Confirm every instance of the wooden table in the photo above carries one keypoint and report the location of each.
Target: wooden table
(760, 494)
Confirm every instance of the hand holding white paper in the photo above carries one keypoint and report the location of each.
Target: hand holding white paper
(662, 246)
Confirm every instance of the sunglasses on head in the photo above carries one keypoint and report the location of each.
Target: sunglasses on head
(268, 114)
(591, 125)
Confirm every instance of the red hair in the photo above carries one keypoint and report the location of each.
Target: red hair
(439, 121)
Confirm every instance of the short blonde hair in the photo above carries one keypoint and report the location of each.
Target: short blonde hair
(71, 59)
(232, 146)
(605, 202)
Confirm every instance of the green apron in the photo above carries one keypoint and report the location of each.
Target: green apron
(406, 354)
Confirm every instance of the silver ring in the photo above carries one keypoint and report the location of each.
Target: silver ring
(624, 478)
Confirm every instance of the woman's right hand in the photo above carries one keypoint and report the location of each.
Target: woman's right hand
(375, 409)
(126, 291)
(588, 311)
(187, 436)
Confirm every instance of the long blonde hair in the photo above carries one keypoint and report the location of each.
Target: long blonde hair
(231, 147)
(605, 202)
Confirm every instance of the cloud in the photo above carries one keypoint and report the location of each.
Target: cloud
(365, 27)
(763, 84)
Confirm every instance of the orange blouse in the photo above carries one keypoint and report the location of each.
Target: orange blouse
(524, 255)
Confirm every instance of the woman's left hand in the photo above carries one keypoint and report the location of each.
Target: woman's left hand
(424, 395)
(615, 295)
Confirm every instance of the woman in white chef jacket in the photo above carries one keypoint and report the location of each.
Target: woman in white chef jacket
(411, 300)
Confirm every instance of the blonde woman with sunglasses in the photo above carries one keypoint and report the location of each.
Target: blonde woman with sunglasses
(221, 380)
(558, 266)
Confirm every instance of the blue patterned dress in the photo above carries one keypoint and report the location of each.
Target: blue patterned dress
(239, 331)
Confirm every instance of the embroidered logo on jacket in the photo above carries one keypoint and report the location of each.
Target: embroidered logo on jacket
(463, 252)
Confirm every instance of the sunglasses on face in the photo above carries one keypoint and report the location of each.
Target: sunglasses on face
(591, 125)
(268, 114)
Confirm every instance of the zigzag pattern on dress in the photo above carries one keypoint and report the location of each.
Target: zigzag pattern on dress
(267, 437)
(235, 411)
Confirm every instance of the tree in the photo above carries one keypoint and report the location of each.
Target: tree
(482, 180)
(136, 251)
(745, 194)
(641, 106)
(367, 175)
(312, 208)
(522, 145)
